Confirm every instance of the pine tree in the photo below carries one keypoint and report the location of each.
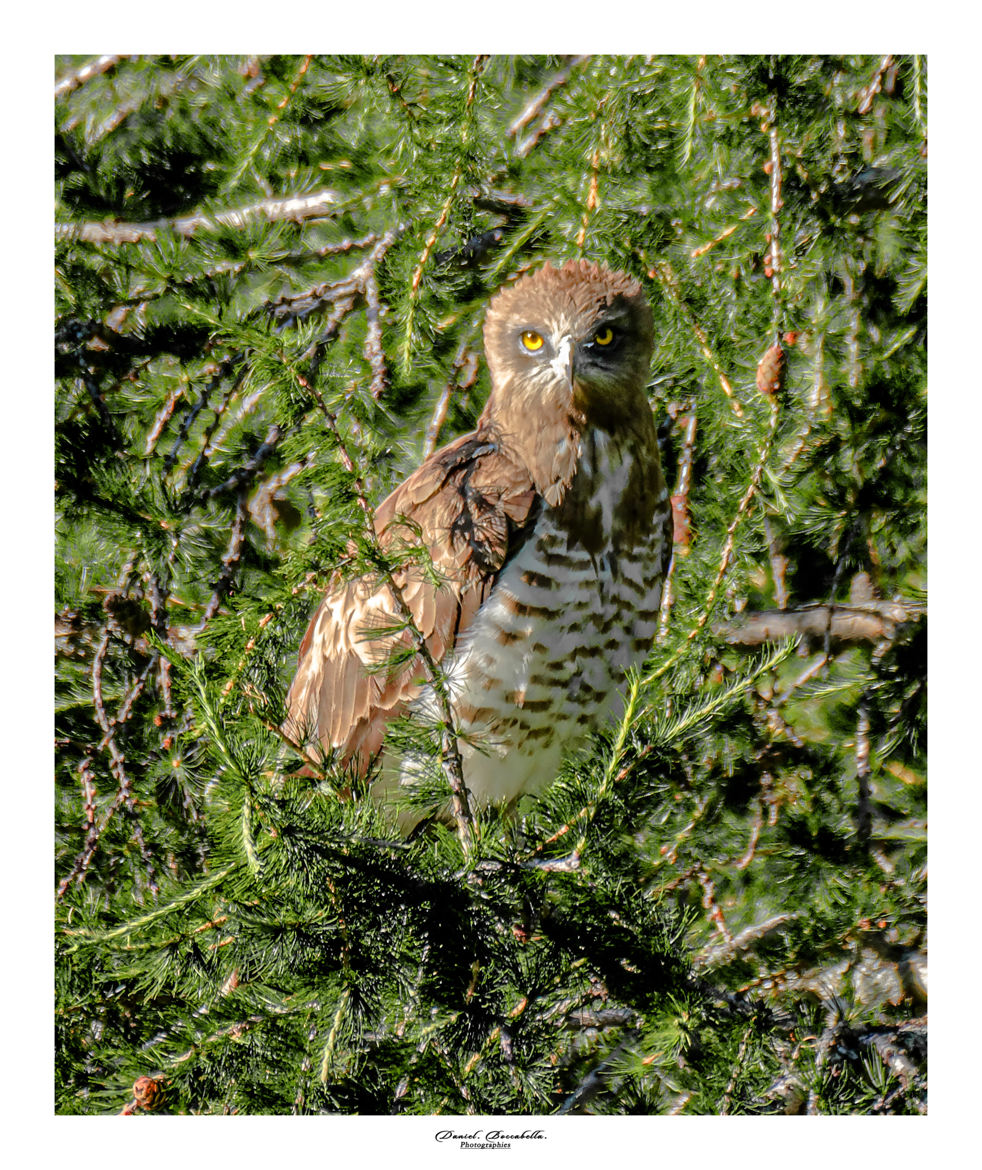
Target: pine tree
(271, 274)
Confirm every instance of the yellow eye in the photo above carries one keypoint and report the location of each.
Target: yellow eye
(531, 340)
(604, 337)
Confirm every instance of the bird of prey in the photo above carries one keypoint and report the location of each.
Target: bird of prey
(549, 528)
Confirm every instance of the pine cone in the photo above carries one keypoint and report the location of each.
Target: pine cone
(148, 1093)
(770, 371)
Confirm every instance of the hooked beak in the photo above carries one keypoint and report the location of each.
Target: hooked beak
(562, 363)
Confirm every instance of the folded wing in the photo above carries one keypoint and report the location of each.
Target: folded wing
(471, 505)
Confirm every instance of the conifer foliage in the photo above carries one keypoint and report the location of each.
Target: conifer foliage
(271, 274)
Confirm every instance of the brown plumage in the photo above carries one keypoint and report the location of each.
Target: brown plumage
(550, 529)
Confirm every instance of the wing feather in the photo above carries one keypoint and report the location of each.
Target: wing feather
(471, 503)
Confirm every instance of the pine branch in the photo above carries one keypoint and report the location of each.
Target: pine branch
(667, 278)
(248, 159)
(136, 925)
(477, 67)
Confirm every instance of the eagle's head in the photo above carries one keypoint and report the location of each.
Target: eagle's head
(574, 341)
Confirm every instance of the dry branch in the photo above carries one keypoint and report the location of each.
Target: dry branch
(297, 208)
(78, 77)
(870, 622)
(230, 561)
(688, 421)
(536, 106)
(465, 369)
(744, 941)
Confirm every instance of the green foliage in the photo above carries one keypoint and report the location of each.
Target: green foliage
(271, 275)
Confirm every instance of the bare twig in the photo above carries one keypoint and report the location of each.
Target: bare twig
(810, 672)
(285, 100)
(592, 199)
(373, 336)
(725, 234)
(864, 815)
(779, 727)
(360, 285)
(438, 418)
(164, 415)
(232, 268)
(606, 1018)
(918, 66)
(464, 376)
(724, 1105)
(216, 372)
(117, 760)
(230, 561)
(296, 208)
(870, 622)
(710, 904)
(743, 941)
(868, 95)
(88, 792)
(84, 859)
(758, 823)
(248, 158)
(77, 77)
(92, 832)
(680, 510)
(535, 106)
(117, 607)
(773, 262)
(779, 565)
(241, 479)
